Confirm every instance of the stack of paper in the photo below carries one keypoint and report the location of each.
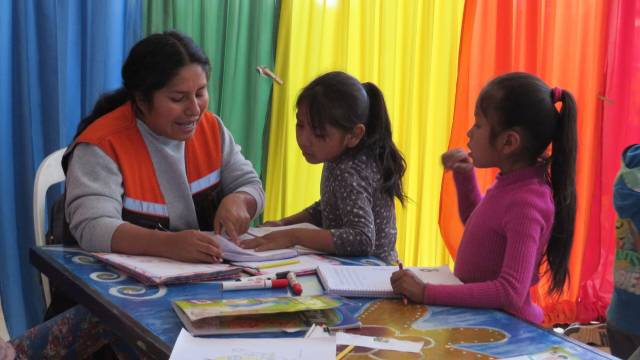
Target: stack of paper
(187, 347)
(151, 270)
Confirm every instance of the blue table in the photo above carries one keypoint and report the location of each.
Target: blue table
(143, 314)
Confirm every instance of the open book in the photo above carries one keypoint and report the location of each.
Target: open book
(374, 281)
(151, 270)
(233, 252)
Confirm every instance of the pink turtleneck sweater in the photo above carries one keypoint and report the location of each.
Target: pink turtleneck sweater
(504, 239)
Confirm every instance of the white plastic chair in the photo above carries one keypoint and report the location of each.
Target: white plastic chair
(49, 173)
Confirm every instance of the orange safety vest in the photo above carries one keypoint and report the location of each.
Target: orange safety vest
(118, 136)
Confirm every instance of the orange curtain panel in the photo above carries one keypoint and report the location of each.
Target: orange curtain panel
(620, 121)
(564, 43)
(410, 50)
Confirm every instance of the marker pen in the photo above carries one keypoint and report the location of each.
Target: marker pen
(254, 284)
(293, 282)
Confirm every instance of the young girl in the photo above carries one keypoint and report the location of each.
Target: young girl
(527, 215)
(344, 124)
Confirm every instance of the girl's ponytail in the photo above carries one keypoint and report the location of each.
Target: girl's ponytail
(105, 104)
(378, 136)
(563, 183)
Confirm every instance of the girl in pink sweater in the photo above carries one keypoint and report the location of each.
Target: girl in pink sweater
(527, 215)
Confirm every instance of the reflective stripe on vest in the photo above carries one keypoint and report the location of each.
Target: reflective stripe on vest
(144, 207)
(205, 182)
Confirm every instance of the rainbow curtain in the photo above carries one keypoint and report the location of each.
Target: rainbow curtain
(431, 58)
(410, 50)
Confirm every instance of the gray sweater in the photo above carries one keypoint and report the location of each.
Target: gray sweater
(361, 218)
(94, 186)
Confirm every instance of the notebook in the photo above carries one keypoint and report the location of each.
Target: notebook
(374, 281)
(197, 309)
(151, 270)
(233, 252)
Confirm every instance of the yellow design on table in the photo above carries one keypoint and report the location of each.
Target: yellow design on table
(391, 318)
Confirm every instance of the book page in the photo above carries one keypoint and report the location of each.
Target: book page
(368, 279)
(191, 348)
(375, 281)
(305, 264)
(384, 343)
(233, 252)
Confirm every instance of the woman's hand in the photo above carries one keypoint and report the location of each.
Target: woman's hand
(272, 241)
(192, 246)
(233, 215)
(457, 160)
(405, 282)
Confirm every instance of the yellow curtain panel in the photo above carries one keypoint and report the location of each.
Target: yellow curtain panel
(409, 48)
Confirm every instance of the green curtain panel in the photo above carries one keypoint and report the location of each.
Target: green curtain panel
(238, 36)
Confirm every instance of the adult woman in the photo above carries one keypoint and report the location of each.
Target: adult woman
(151, 158)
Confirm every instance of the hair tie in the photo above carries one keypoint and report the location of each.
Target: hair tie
(556, 94)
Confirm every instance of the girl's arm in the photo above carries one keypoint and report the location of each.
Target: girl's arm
(355, 237)
(524, 226)
(468, 193)
(317, 239)
(302, 217)
(458, 161)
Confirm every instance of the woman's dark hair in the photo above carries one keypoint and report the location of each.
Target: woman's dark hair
(524, 103)
(341, 101)
(151, 64)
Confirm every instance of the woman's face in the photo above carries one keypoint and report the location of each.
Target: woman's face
(176, 108)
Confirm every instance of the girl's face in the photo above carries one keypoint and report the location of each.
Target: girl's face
(483, 153)
(318, 149)
(177, 107)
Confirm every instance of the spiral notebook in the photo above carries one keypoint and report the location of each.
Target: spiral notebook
(374, 281)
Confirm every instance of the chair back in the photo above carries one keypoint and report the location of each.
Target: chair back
(49, 173)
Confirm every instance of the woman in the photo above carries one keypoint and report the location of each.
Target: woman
(150, 167)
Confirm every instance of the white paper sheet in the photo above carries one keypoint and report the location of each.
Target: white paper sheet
(378, 342)
(188, 347)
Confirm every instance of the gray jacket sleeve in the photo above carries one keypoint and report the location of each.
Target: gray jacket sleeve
(93, 205)
(237, 173)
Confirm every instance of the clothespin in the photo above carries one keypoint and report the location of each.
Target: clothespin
(264, 71)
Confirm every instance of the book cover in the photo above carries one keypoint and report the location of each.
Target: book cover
(200, 309)
(334, 319)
